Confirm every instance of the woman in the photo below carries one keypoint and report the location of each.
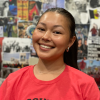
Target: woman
(6, 8)
(52, 78)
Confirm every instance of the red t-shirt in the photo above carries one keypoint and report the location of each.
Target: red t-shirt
(71, 84)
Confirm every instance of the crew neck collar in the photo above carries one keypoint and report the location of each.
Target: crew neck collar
(34, 79)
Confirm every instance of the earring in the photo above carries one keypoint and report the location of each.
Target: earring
(67, 49)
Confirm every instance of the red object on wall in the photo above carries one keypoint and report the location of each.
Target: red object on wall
(82, 64)
(33, 10)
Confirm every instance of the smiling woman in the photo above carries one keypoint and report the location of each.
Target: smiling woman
(56, 75)
(51, 38)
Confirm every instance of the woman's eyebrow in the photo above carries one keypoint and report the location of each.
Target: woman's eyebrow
(53, 26)
(58, 26)
(42, 23)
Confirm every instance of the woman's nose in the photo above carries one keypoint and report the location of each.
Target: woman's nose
(47, 36)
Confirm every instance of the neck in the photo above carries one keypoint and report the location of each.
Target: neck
(50, 66)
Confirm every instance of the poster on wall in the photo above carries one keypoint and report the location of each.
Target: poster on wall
(15, 45)
(94, 40)
(36, 19)
(13, 7)
(8, 26)
(25, 29)
(49, 4)
(4, 8)
(3, 26)
(15, 52)
(92, 68)
(81, 5)
(94, 13)
(34, 8)
(25, 7)
(79, 10)
(81, 31)
(19, 9)
(11, 30)
(94, 3)
(8, 8)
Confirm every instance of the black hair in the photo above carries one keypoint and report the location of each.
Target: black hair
(70, 57)
(5, 3)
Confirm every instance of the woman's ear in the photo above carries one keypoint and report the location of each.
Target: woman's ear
(72, 40)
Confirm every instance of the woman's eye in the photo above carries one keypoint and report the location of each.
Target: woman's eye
(57, 32)
(41, 29)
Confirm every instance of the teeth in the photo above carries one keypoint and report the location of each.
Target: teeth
(45, 46)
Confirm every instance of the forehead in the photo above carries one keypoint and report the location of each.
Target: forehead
(54, 17)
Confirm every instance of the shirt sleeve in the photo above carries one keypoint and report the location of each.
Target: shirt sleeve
(91, 92)
(3, 90)
(6, 91)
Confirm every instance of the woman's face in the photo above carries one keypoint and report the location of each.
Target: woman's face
(52, 36)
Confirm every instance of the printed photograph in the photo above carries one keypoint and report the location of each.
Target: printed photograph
(8, 8)
(23, 29)
(79, 10)
(49, 5)
(24, 58)
(94, 51)
(15, 45)
(8, 26)
(92, 68)
(36, 19)
(11, 57)
(82, 35)
(94, 13)
(94, 3)
(10, 29)
(34, 8)
(94, 32)
(15, 66)
(32, 52)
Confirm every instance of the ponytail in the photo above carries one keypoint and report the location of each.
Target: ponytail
(70, 57)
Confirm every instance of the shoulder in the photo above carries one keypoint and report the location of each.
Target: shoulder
(19, 73)
(79, 76)
(84, 84)
(83, 81)
(15, 78)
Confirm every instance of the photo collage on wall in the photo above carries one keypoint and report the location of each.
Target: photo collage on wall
(18, 20)
(15, 54)
(82, 35)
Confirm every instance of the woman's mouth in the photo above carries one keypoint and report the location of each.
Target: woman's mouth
(44, 46)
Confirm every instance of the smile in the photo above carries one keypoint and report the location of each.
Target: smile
(44, 46)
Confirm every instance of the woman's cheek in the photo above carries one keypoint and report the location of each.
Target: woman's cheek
(36, 36)
(34, 40)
